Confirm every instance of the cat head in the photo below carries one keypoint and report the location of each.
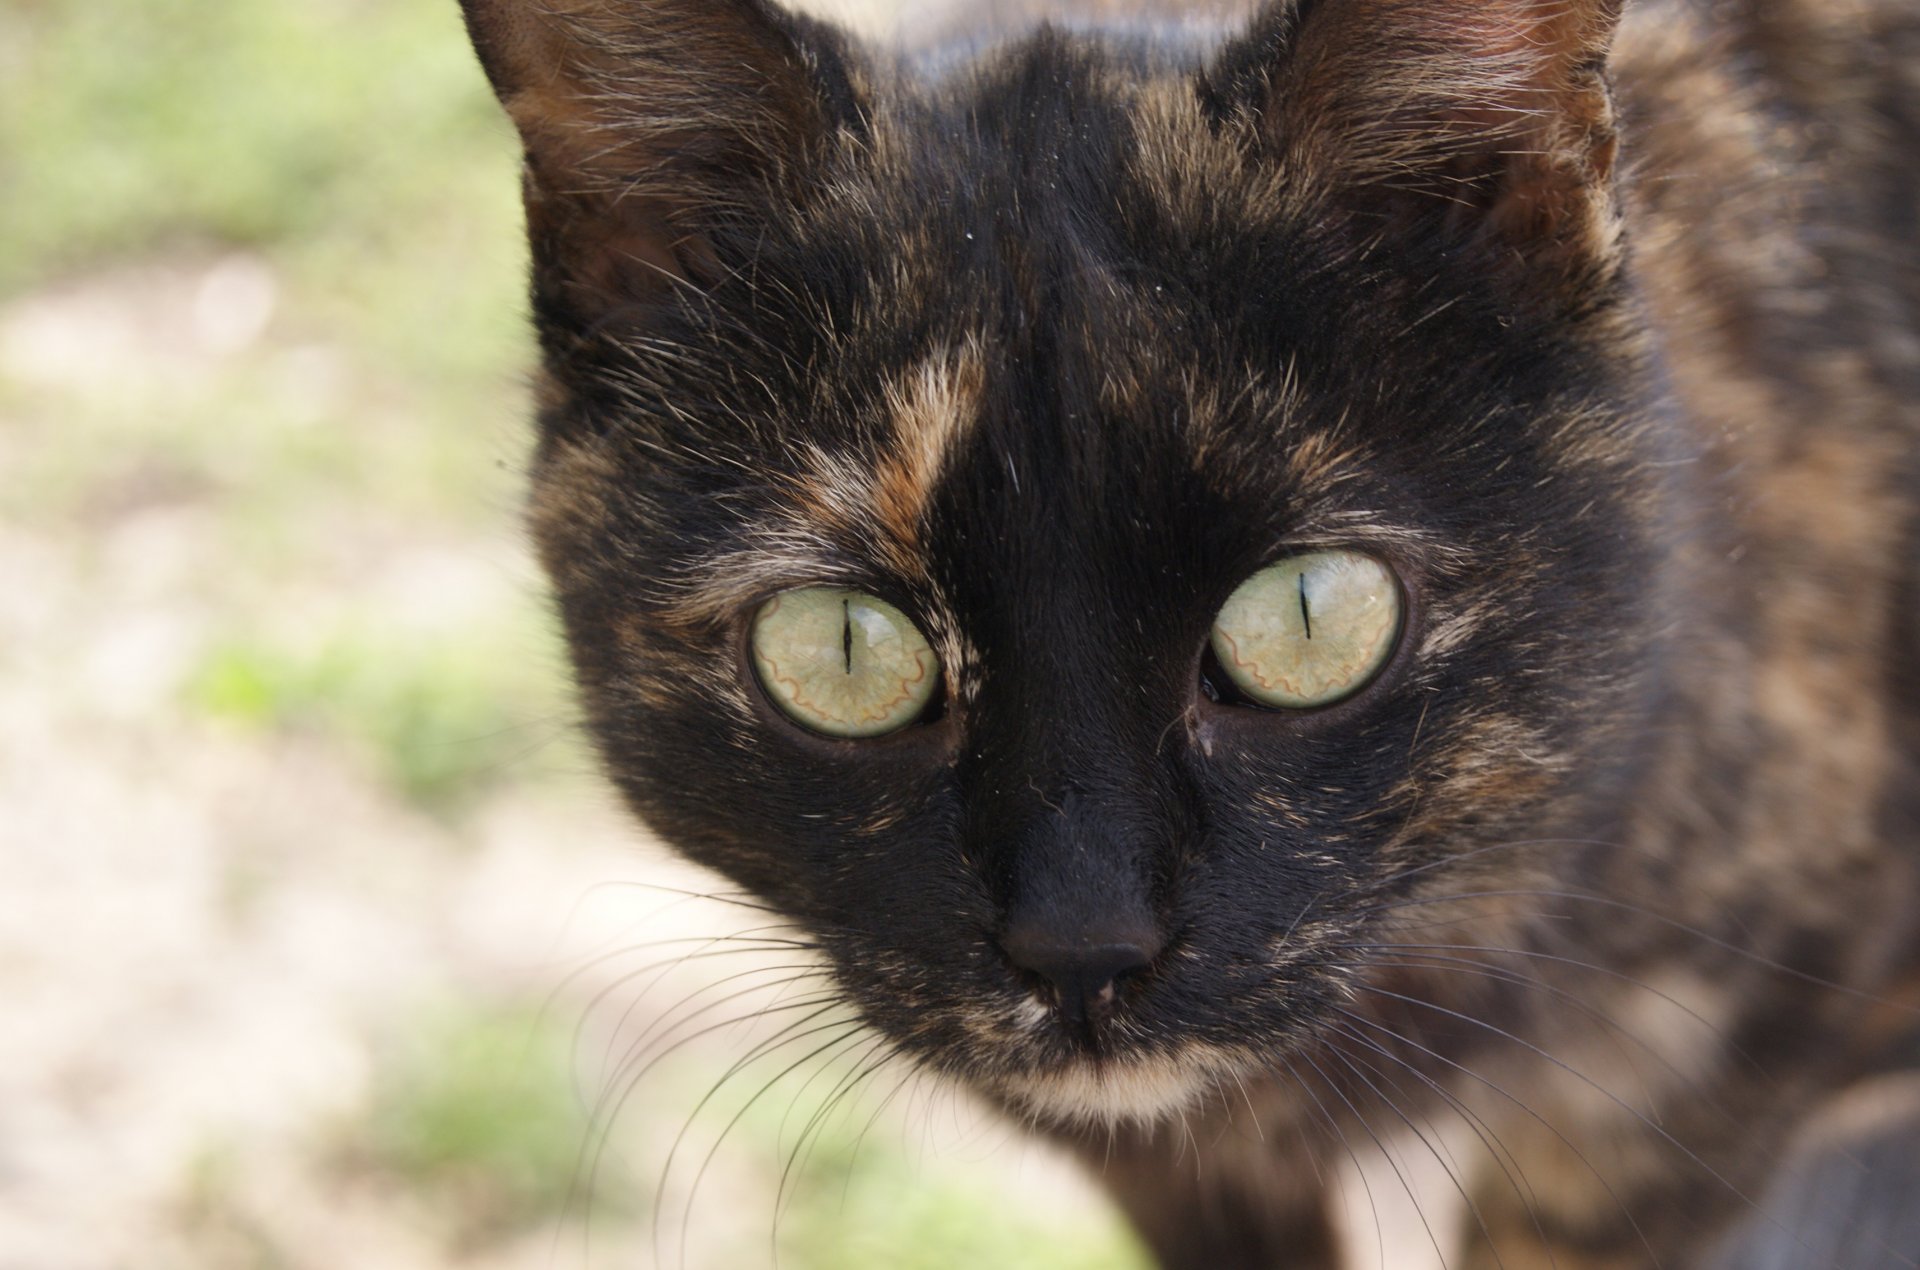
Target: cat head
(941, 474)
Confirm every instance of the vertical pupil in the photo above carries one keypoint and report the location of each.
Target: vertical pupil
(1306, 617)
(846, 631)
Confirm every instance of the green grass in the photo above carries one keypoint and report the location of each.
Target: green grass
(351, 149)
(893, 1216)
(473, 1108)
(350, 146)
(853, 1188)
(130, 123)
(440, 715)
(211, 1210)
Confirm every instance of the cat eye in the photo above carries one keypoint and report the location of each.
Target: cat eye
(1309, 631)
(843, 663)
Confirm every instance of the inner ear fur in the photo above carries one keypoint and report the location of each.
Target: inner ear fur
(1490, 119)
(650, 126)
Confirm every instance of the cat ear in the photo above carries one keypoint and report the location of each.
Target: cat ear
(650, 126)
(1487, 117)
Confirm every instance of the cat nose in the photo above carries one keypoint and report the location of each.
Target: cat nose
(1083, 970)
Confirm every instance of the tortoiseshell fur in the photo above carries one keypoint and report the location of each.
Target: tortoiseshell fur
(1602, 329)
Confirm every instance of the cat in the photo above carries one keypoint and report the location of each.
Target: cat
(1353, 577)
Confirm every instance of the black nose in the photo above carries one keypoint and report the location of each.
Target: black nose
(1083, 970)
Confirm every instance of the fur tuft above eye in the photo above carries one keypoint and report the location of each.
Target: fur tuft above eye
(843, 663)
(1310, 631)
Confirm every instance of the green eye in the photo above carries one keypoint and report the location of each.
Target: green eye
(843, 663)
(1309, 631)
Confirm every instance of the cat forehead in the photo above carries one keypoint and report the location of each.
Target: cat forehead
(1060, 292)
(961, 471)
(1071, 147)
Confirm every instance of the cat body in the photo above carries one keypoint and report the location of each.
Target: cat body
(1598, 334)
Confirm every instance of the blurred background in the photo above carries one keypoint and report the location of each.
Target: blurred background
(321, 944)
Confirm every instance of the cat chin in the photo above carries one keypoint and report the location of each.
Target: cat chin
(1138, 1092)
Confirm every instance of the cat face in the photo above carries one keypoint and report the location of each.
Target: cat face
(1032, 370)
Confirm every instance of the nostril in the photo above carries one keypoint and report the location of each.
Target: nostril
(1106, 963)
(1084, 972)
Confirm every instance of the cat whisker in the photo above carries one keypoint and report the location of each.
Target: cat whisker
(1381, 1146)
(1454, 859)
(1497, 1149)
(1703, 1094)
(1187, 1139)
(1339, 1134)
(1645, 1121)
(1610, 1027)
(746, 939)
(1643, 911)
(1446, 1162)
(670, 1018)
(662, 968)
(1246, 1096)
(793, 1104)
(605, 1110)
(915, 1076)
(848, 1032)
(863, 1069)
(794, 1031)
(735, 899)
(1575, 963)
(1518, 1104)
(597, 1106)
(621, 1083)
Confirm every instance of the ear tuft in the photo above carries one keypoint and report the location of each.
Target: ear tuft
(1490, 117)
(648, 124)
